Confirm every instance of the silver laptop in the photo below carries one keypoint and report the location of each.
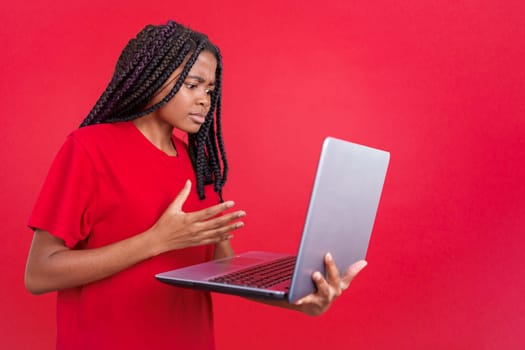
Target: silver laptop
(340, 218)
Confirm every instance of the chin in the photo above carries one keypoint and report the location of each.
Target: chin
(191, 130)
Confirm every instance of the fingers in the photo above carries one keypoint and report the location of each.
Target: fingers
(324, 291)
(351, 272)
(310, 299)
(223, 233)
(217, 229)
(176, 206)
(328, 289)
(334, 284)
(323, 287)
(215, 236)
(318, 302)
(210, 212)
(222, 226)
(176, 229)
(204, 214)
(332, 273)
(222, 220)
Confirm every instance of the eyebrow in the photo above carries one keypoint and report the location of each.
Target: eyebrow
(199, 79)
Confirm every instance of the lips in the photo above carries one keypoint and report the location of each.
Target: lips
(197, 117)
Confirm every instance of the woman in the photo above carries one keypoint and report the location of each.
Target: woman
(118, 205)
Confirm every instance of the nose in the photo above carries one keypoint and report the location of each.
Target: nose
(204, 99)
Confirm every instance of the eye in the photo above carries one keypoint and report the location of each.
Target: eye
(209, 91)
(190, 85)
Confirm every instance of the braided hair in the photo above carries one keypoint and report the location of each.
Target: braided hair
(143, 67)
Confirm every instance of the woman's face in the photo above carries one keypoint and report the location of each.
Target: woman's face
(187, 110)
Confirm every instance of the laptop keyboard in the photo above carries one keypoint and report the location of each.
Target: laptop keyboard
(261, 276)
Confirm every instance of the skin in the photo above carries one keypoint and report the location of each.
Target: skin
(51, 264)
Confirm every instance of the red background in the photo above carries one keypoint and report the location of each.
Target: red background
(440, 84)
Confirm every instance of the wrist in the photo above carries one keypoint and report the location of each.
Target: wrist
(151, 243)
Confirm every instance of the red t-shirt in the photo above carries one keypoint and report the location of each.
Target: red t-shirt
(108, 183)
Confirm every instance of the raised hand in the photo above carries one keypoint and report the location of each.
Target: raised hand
(176, 229)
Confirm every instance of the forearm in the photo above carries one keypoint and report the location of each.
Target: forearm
(223, 250)
(52, 266)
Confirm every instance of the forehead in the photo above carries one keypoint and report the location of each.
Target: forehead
(205, 66)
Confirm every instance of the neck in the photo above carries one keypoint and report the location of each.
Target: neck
(158, 133)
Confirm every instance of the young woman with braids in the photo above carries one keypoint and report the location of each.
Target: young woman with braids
(118, 206)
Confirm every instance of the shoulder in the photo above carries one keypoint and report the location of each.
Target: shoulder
(100, 132)
(100, 140)
(102, 137)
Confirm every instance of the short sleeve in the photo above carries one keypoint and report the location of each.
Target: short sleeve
(65, 204)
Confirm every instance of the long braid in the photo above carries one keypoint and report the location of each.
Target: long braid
(136, 52)
(149, 49)
(206, 159)
(200, 163)
(177, 86)
(151, 86)
(218, 122)
(142, 69)
(152, 78)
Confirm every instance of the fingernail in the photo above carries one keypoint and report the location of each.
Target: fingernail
(317, 276)
(229, 204)
(329, 257)
(239, 224)
(241, 214)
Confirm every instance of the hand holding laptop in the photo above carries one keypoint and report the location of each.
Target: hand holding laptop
(327, 289)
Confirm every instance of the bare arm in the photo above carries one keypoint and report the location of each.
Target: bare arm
(52, 266)
(222, 250)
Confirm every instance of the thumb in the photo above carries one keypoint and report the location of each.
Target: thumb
(352, 271)
(176, 206)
